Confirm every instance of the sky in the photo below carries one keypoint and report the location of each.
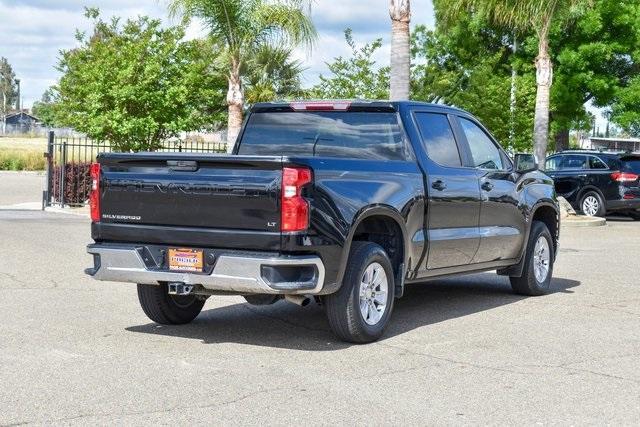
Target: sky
(32, 32)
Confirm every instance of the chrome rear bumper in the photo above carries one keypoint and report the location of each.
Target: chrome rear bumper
(236, 273)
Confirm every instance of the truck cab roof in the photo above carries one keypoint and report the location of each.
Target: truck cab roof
(348, 104)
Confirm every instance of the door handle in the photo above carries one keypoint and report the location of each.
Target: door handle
(487, 186)
(439, 185)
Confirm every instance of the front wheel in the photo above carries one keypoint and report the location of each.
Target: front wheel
(538, 267)
(167, 309)
(361, 309)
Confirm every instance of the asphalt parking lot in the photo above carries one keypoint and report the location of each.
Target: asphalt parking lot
(464, 351)
(20, 187)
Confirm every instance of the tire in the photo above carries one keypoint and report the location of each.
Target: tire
(530, 283)
(367, 261)
(635, 216)
(167, 309)
(591, 204)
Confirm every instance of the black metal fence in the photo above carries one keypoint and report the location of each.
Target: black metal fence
(68, 179)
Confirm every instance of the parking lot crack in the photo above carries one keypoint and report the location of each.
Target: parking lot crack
(111, 415)
(453, 361)
(13, 278)
(601, 374)
(566, 366)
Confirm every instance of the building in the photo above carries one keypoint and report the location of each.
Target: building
(610, 144)
(21, 122)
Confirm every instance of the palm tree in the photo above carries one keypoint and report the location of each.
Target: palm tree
(272, 74)
(400, 12)
(242, 26)
(526, 15)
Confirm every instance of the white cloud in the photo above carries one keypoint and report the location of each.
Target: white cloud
(368, 19)
(32, 32)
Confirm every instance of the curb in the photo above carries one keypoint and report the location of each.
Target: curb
(583, 221)
(28, 206)
(37, 173)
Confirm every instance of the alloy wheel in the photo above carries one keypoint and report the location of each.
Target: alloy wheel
(590, 205)
(374, 293)
(541, 259)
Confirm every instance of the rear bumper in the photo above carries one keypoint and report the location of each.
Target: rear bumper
(241, 273)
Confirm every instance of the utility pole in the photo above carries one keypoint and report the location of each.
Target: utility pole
(4, 107)
(18, 100)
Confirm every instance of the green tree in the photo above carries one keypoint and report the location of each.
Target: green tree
(8, 90)
(595, 60)
(271, 75)
(138, 84)
(537, 16)
(469, 65)
(45, 108)
(626, 108)
(597, 57)
(355, 77)
(242, 26)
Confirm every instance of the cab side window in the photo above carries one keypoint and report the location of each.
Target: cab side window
(437, 139)
(574, 161)
(484, 153)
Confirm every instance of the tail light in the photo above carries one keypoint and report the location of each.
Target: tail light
(295, 209)
(320, 105)
(94, 195)
(624, 176)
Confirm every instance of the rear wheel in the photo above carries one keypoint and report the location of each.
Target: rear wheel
(361, 309)
(167, 309)
(538, 267)
(592, 204)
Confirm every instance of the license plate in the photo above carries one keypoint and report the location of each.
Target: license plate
(185, 259)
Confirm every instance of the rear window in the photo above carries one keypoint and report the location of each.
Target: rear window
(360, 135)
(596, 163)
(631, 165)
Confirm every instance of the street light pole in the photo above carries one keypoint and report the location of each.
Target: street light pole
(4, 108)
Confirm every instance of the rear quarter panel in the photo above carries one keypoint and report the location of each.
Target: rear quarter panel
(345, 191)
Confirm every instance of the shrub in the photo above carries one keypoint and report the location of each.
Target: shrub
(77, 182)
(18, 160)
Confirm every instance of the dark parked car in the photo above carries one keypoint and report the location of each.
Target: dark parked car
(597, 182)
(345, 202)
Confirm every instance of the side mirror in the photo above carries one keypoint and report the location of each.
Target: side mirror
(525, 163)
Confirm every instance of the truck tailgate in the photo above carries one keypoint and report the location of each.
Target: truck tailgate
(191, 190)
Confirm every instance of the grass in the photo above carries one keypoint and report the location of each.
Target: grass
(27, 154)
(20, 160)
(22, 154)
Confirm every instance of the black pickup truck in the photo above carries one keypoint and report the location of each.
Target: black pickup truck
(343, 202)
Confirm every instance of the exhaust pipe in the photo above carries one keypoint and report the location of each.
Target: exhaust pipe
(300, 300)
